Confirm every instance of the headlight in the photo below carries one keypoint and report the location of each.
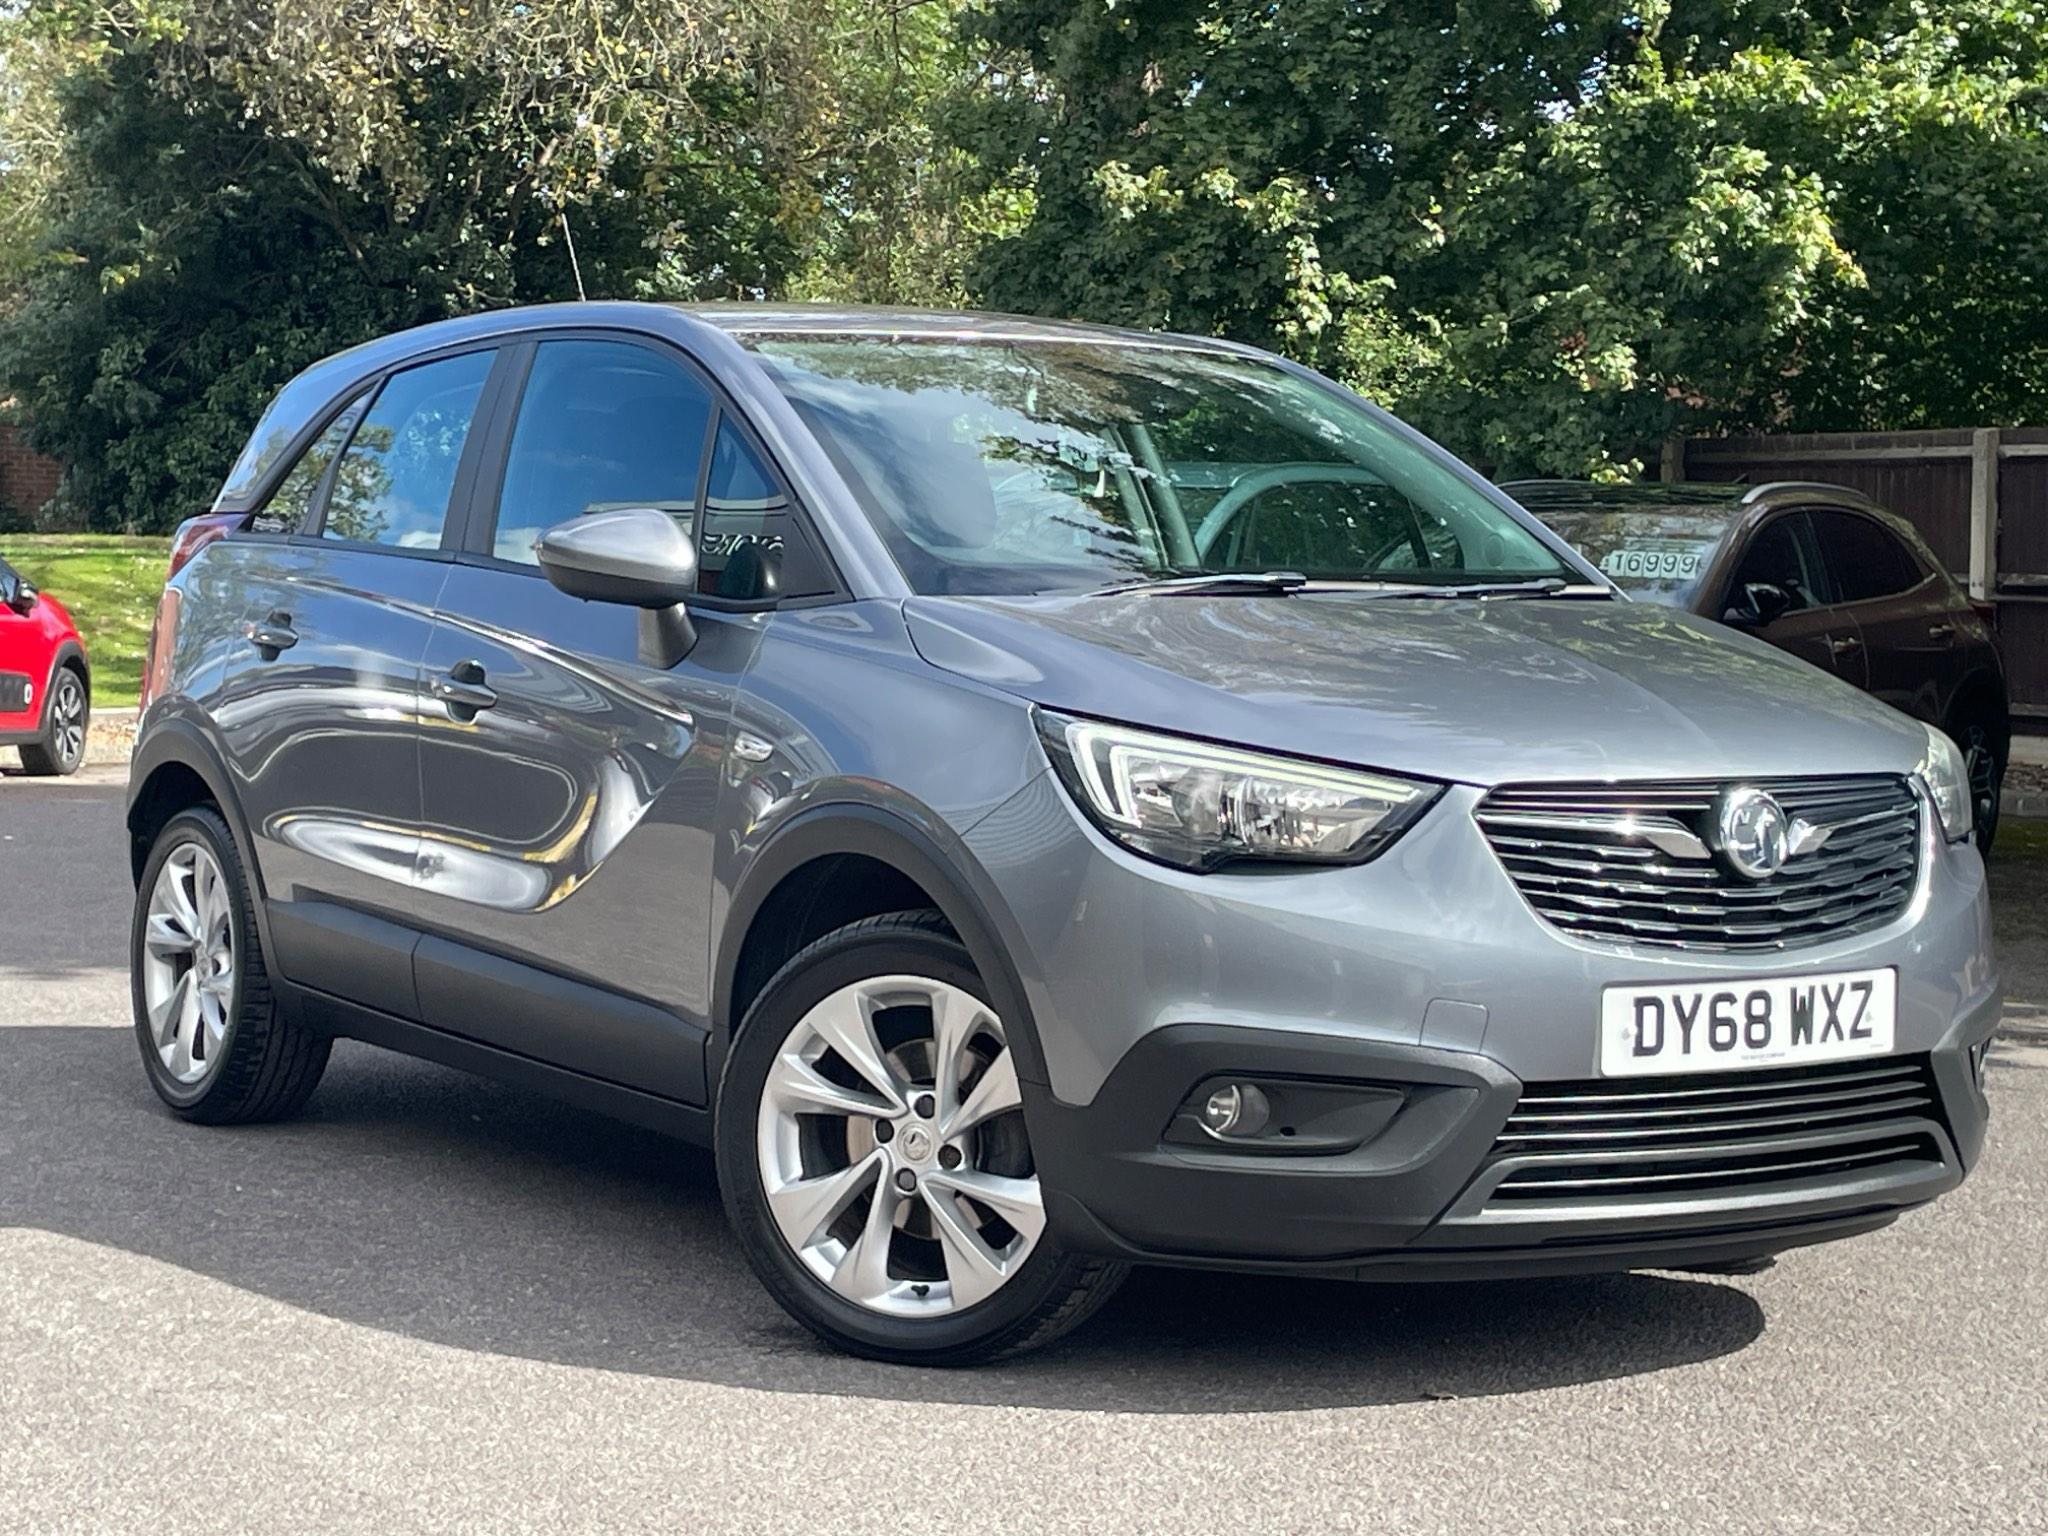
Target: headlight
(1947, 781)
(1199, 806)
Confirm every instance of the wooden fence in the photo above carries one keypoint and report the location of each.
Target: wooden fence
(1979, 496)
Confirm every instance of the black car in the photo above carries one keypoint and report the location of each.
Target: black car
(1817, 570)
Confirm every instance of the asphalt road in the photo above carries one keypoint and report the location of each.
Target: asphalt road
(435, 1303)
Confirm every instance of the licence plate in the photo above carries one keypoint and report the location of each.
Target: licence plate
(1727, 1025)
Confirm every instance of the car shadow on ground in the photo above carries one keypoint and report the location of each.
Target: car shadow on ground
(426, 1203)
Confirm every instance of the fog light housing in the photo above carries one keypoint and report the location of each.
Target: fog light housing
(1236, 1109)
(1300, 1117)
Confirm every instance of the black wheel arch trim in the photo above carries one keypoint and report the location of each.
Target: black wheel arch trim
(889, 837)
(178, 742)
(67, 651)
(1980, 685)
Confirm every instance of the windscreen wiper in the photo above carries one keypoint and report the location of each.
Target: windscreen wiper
(1547, 586)
(1212, 584)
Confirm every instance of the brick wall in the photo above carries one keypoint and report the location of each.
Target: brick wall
(27, 479)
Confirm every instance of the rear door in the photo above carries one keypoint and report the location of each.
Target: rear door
(319, 706)
(1901, 608)
(1781, 554)
(569, 785)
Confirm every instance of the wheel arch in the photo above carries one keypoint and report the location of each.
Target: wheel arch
(1981, 687)
(174, 768)
(69, 653)
(798, 851)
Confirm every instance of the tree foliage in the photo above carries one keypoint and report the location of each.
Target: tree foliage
(1554, 231)
(198, 197)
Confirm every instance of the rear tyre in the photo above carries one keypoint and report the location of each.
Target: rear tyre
(62, 747)
(216, 1046)
(874, 1159)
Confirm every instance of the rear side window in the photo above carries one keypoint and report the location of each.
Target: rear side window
(289, 505)
(1865, 558)
(602, 424)
(394, 483)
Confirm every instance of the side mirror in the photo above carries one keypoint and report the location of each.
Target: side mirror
(636, 556)
(1765, 603)
(18, 595)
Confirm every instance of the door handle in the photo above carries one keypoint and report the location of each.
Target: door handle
(462, 689)
(273, 636)
(1842, 645)
(1940, 631)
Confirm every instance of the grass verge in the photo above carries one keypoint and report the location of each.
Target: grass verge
(110, 585)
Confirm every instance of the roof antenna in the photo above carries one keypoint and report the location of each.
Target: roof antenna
(574, 265)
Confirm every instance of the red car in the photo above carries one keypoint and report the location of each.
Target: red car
(45, 680)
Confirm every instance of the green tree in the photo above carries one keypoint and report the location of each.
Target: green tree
(1554, 231)
(198, 197)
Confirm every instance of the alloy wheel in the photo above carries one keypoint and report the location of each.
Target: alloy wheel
(188, 964)
(67, 720)
(1980, 763)
(892, 1149)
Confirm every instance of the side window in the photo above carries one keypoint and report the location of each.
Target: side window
(1780, 556)
(1865, 558)
(394, 483)
(602, 424)
(289, 504)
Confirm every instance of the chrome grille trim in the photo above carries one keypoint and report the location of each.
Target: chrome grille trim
(1632, 863)
(1711, 1135)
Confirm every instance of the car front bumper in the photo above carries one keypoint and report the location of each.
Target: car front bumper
(1421, 1198)
(1423, 976)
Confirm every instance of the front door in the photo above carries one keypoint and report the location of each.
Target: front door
(1781, 558)
(569, 785)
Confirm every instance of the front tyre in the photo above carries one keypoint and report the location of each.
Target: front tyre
(216, 1046)
(1984, 753)
(874, 1160)
(61, 747)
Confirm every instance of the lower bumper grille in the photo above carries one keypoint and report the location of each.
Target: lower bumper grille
(13, 693)
(1694, 1137)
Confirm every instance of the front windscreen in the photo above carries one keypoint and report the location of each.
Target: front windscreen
(1655, 553)
(1000, 466)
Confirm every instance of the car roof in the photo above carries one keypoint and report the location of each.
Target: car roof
(752, 320)
(1716, 497)
(319, 387)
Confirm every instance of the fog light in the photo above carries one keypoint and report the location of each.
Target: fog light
(1236, 1109)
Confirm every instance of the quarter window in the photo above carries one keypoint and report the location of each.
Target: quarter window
(394, 483)
(603, 424)
(288, 507)
(741, 543)
(1865, 558)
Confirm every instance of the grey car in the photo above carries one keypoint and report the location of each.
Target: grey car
(1034, 799)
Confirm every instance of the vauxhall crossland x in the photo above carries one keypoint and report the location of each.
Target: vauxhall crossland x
(1035, 799)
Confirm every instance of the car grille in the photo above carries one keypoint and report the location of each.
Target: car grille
(1689, 1137)
(1633, 863)
(13, 693)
